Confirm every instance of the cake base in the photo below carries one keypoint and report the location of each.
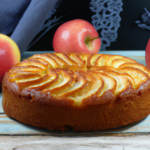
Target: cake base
(86, 118)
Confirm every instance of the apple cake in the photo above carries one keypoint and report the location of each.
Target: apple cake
(77, 91)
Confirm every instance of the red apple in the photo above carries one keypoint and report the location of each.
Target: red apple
(147, 54)
(76, 36)
(9, 54)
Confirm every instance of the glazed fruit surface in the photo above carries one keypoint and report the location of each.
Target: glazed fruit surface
(79, 76)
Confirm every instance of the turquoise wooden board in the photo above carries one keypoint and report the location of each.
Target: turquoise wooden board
(1, 109)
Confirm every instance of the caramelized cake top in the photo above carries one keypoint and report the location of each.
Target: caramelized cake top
(82, 79)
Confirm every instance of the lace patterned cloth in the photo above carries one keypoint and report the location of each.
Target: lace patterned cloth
(106, 19)
(144, 21)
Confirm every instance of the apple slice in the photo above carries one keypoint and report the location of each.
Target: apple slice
(147, 54)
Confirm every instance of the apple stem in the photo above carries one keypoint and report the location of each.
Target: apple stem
(88, 41)
(93, 39)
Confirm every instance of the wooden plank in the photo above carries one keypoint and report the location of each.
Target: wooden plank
(1, 108)
(139, 142)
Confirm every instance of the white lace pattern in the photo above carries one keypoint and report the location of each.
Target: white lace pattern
(106, 19)
(144, 23)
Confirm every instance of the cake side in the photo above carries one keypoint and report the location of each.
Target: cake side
(123, 111)
(76, 91)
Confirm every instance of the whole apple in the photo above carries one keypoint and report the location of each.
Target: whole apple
(76, 36)
(9, 55)
(147, 54)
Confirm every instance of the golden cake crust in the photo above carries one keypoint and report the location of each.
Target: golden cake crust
(82, 92)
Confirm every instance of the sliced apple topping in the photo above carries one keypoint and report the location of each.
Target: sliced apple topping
(25, 77)
(136, 65)
(29, 62)
(66, 79)
(41, 60)
(41, 83)
(26, 69)
(78, 86)
(117, 62)
(84, 57)
(75, 57)
(79, 76)
(58, 59)
(79, 89)
(122, 82)
(138, 75)
(50, 60)
(109, 83)
(101, 61)
(92, 59)
(111, 58)
(67, 59)
(94, 86)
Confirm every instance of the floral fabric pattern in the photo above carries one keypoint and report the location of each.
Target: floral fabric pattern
(106, 19)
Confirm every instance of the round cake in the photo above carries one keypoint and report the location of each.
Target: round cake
(77, 91)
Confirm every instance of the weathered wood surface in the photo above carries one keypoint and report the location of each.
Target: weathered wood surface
(138, 142)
